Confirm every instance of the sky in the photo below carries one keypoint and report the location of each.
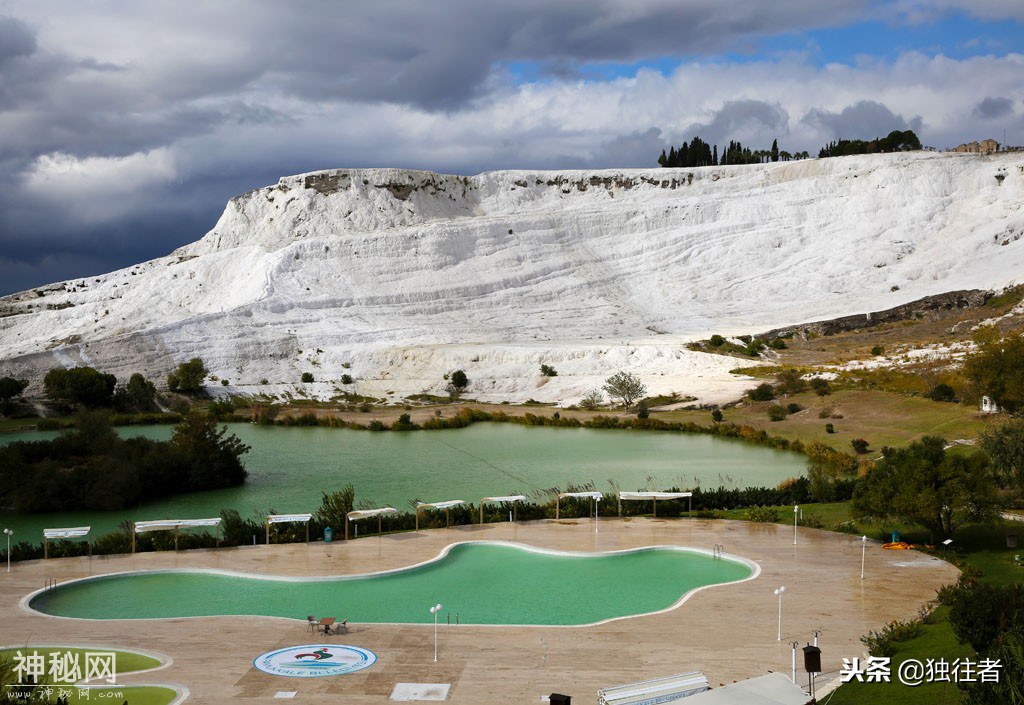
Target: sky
(125, 125)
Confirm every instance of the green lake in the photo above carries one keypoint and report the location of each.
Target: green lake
(290, 467)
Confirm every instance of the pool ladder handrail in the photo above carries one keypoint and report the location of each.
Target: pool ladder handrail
(51, 583)
(719, 550)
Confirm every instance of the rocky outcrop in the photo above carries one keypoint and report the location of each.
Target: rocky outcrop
(936, 306)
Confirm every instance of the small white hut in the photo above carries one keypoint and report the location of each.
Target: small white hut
(988, 406)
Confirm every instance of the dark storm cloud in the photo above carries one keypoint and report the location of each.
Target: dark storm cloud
(743, 120)
(992, 108)
(863, 120)
(16, 39)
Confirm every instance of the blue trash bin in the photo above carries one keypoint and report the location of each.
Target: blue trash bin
(328, 534)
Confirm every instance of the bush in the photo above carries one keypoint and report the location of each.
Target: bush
(641, 410)
(878, 350)
(346, 379)
(375, 425)
(717, 341)
(225, 382)
(829, 428)
(860, 446)
(83, 386)
(264, 381)
(188, 377)
(762, 392)
(825, 413)
(307, 377)
(790, 382)
(777, 344)
(883, 642)
(716, 416)
(761, 514)
(792, 407)
(364, 407)
(457, 382)
(942, 392)
(548, 371)
(821, 386)
(777, 412)
(592, 399)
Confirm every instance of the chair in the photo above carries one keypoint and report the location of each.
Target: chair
(313, 622)
(327, 623)
(341, 627)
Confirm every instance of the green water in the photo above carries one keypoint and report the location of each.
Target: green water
(289, 467)
(481, 583)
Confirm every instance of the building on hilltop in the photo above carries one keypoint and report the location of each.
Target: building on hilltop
(989, 146)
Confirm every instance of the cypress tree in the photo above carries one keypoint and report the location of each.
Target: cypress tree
(775, 150)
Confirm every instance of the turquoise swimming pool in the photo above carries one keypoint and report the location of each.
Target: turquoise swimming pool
(477, 582)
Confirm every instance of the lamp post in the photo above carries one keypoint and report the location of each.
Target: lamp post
(778, 591)
(434, 610)
(796, 511)
(793, 645)
(863, 548)
(9, 533)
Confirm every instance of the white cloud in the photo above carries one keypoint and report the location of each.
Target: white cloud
(99, 189)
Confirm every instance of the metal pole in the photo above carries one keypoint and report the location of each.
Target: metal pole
(795, 510)
(816, 633)
(8, 532)
(794, 644)
(434, 610)
(597, 508)
(778, 591)
(863, 548)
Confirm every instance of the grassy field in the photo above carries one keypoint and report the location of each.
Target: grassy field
(881, 418)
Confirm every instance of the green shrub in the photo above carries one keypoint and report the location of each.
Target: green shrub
(829, 428)
(717, 341)
(761, 514)
(375, 425)
(860, 446)
(364, 407)
(942, 392)
(878, 350)
(777, 412)
(264, 381)
(716, 416)
(792, 407)
(778, 344)
(883, 642)
(548, 371)
(346, 379)
(225, 382)
(762, 392)
(307, 377)
(820, 386)
(641, 410)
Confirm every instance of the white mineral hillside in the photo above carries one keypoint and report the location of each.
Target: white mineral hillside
(396, 277)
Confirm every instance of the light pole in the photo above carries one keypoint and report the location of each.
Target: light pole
(796, 511)
(9, 533)
(794, 645)
(778, 591)
(816, 633)
(434, 610)
(863, 548)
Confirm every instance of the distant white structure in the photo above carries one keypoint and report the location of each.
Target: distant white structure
(988, 406)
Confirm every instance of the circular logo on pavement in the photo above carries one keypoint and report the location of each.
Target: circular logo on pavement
(314, 660)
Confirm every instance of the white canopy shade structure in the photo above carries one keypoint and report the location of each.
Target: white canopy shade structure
(445, 505)
(657, 690)
(71, 532)
(594, 496)
(512, 498)
(366, 514)
(655, 496)
(288, 519)
(141, 527)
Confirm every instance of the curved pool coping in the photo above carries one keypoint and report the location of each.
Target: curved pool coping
(755, 568)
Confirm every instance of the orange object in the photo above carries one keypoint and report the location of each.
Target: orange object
(898, 546)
